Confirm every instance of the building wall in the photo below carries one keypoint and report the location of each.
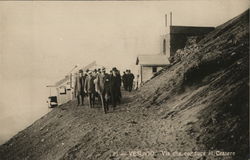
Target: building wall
(63, 98)
(190, 30)
(69, 85)
(165, 46)
(146, 72)
(180, 34)
(178, 41)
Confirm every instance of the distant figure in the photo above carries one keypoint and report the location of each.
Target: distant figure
(125, 80)
(119, 97)
(95, 74)
(89, 88)
(79, 87)
(130, 80)
(114, 87)
(99, 70)
(102, 80)
(107, 94)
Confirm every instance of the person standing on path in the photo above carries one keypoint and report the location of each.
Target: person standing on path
(130, 80)
(114, 87)
(101, 80)
(125, 81)
(89, 88)
(119, 97)
(79, 88)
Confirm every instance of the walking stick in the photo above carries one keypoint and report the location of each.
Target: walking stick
(104, 109)
(89, 97)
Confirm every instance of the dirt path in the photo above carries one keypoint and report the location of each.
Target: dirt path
(172, 116)
(130, 132)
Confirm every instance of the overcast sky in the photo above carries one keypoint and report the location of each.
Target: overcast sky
(46, 39)
(40, 42)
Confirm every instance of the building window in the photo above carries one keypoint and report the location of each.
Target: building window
(164, 46)
(154, 69)
(62, 90)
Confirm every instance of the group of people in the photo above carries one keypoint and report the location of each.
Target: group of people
(99, 84)
(127, 80)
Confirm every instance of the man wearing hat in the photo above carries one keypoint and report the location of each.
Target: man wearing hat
(130, 80)
(114, 87)
(79, 87)
(102, 85)
(119, 88)
(89, 88)
(125, 80)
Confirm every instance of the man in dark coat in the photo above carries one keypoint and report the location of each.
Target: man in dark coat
(125, 81)
(119, 97)
(130, 80)
(79, 87)
(114, 87)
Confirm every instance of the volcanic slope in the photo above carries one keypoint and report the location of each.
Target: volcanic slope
(196, 105)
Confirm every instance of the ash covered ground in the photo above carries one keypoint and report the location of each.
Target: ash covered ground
(196, 105)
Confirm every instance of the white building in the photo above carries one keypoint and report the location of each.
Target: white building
(65, 87)
(64, 90)
(148, 65)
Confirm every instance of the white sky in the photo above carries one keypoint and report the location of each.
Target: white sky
(40, 42)
(46, 39)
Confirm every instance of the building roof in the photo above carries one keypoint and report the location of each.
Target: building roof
(196, 30)
(91, 65)
(152, 60)
(65, 79)
(75, 70)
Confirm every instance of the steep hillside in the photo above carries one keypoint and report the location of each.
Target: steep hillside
(210, 82)
(198, 104)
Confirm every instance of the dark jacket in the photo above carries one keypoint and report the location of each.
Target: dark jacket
(125, 78)
(115, 82)
(119, 79)
(130, 77)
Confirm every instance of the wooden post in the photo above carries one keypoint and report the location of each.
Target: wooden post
(141, 74)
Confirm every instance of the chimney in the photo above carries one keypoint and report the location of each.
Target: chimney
(166, 20)
(170, 18)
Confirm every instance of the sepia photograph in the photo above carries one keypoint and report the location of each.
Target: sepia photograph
(124, 80)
